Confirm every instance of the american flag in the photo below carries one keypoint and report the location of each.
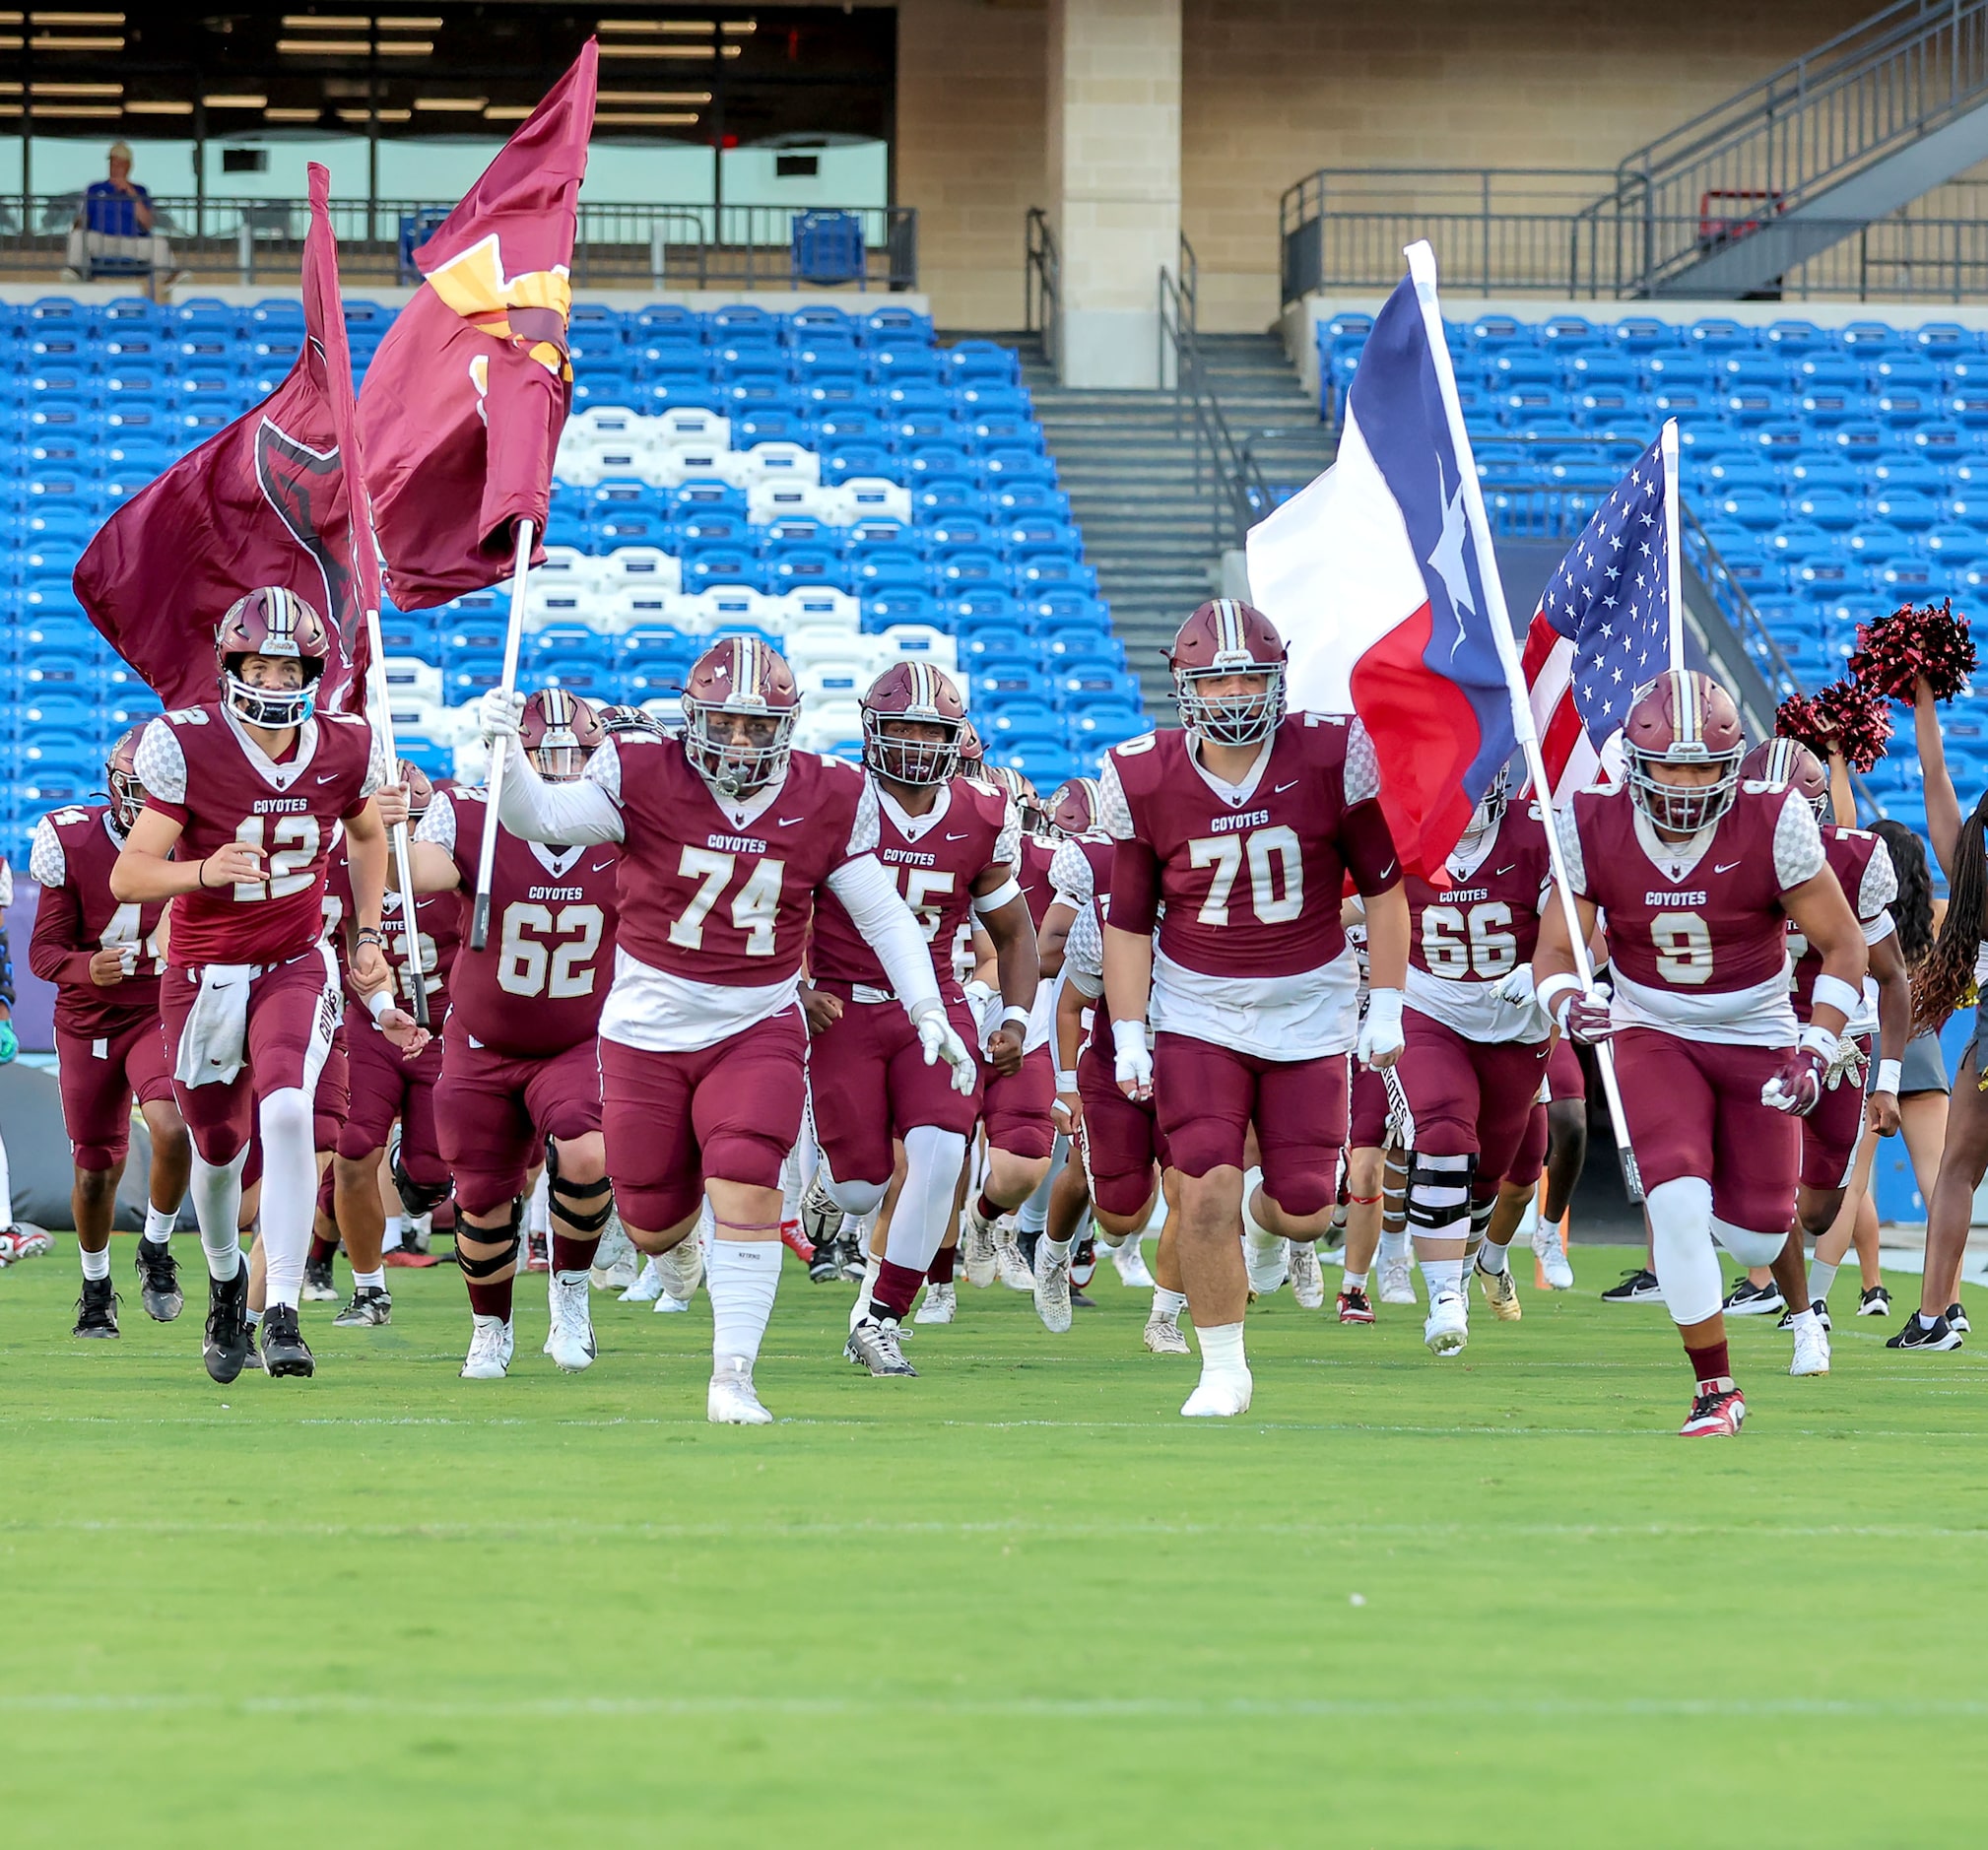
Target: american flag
(1602, 628)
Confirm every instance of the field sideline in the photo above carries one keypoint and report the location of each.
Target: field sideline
(1493, 1601)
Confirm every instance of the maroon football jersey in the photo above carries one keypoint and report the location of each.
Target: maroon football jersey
(1032, 871)
(1250, 886)
(1862, 868)
(934, 864)
(538, 985)
(1079, 870)
(199, 767)
(437, 929)
(73, 853)
(717, 903)
(1464, 940)
(1697, 948)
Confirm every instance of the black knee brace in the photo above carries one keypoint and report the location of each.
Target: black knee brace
(507, 1239)
(1481, 1214)
(1439, 1192)
(567, 1197)
(417, 1197)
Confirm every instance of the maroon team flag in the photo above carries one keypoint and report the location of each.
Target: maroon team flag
(265, 502)
(465, 399)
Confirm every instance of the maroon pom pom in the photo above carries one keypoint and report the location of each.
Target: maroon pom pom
(1927, 639)
(1845, 716)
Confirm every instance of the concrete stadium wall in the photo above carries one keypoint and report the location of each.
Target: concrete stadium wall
(1273, 89)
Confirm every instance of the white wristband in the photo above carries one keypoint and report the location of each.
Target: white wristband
(1066, 1082)
(1888, 1077)
(1817, 1039)
(1550, 993)
(1383, 1007)
(1015, 1016)
(379, 1001)
(1834, 993)
(1128, 1037)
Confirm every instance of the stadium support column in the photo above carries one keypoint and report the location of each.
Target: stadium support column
(1115, 178)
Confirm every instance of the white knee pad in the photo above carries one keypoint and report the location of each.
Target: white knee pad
(1749, 1248)
(1681, 1243)
(855, 1197)
(933, 1159)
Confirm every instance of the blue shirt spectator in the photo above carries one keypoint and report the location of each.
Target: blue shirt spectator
(119, 206)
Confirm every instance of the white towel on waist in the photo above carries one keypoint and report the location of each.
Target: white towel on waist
(212, 1044)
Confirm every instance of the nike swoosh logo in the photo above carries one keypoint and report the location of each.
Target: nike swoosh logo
(787, 822)
(329, 778)
(1282, 788)
(958, 837)
(1506, 870)
(1385, 872)
(1725, 867)
(601, 867)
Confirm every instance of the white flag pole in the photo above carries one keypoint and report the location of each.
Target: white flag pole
(382, 705)
(1422, 269)
(478, 930)
(1674, 590)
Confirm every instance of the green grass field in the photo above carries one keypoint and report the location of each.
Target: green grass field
(1017, 1601)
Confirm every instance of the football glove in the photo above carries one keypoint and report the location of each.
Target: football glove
(1380, 1037)
(1132, 1058)
(1797, 1084)
(500, 714)
(936, 1036)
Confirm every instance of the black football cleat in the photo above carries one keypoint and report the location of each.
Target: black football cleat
(284, 1350)
(251, 1360)
(1957, 1319)
(1639, 1286)
(225, 1348)
(370, 1308)
(95, 1309)
(1915, 1335)
(159, 1280)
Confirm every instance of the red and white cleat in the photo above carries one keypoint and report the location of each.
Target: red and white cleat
(1715, 1415)
(23, 1240)
(1355, 1306)
(797, 1242)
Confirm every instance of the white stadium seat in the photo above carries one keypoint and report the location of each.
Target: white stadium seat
(918, 643)
(871, 497)
(685, 424)
(628, 566)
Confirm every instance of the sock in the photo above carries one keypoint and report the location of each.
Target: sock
(392, 1237)
(1798, 1316)
(1394, 1247)
(1442, 1275)
(571, 1253)
(1925, 1322)
(321, 1249)
(538, 1210)
(1166, 1304)
(1712, 1365)
(491, 1299)
(289, 1190)
(741, 1276)
(940, 1272)
(1222, 1349)
(1822, 1274)
(894, 1288)
(1033, 1214)
(985, 1210)
(369, 1280)
(217, 1201)
(1056, 1249)
(158, 1223)
(253, 1318)
(1354, 1281)
(97, 1266)
(1493, 1258)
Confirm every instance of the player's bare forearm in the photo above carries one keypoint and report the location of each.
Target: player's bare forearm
(1013, 936)
(1387, 937)
(144, 872)
(432, 866)
(1895, 997)
(1071, 1002)
(1554, 955)
(1049, 941)
(1824, 917)
(1128, 973)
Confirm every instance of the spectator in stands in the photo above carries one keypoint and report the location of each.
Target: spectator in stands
(115, 232)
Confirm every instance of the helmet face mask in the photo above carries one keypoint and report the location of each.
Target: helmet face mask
(271, 625)
(127, 794)
(1489, 810)
(740, 705)
(1228, 662)
(1683, 720)
(914, 720)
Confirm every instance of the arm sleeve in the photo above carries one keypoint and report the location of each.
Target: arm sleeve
(1135, 887)
(871, 899)
(1070, 877)
(1570, 850)
(162, 768)
(48, 865)
(1084, 953)
(866, 829)
(1367, 848)
(1362, 766)
(55, 952)
(576, 815)
(1798, 843)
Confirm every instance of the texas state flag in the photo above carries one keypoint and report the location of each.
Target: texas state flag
(1372, 574)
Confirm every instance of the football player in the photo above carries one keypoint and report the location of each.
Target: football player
(1476, 1049)
(520, 1069)
(1242, 827)
(242, 798)
(1699, 875)
(102, 956)
(950, 844)
(729, 836)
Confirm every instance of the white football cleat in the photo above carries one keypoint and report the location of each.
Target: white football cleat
(571, 1340)
(733, 1401)
(616, 1261)
(1447, 1328)
(1130, 1259)
(1501, 1293)
(1397, 1283)
(940, 1304)
(1220, 1397)
(1546, 1243)
(682, 1269)
(1161, 1336)
(490, 1344)
(1009, 1265)
(666, 1305)
(647, 1286)
(978, 1247)
(1812, 1347)
(1307, 1281)
(1051, 1287)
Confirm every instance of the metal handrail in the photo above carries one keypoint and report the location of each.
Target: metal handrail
(1041, 276)
(1241, 495)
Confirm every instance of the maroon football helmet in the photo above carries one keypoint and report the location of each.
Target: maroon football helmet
(1790, 761)
(127, 794)
(271, 621)
(1073, 807)
(1489, 810)
(740, 705)
(622, 719)
(420, 791)
(1011, 782)
(559, 732)
(1683, 717)
(1225, 636)
(908, 696)
(972, 753)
